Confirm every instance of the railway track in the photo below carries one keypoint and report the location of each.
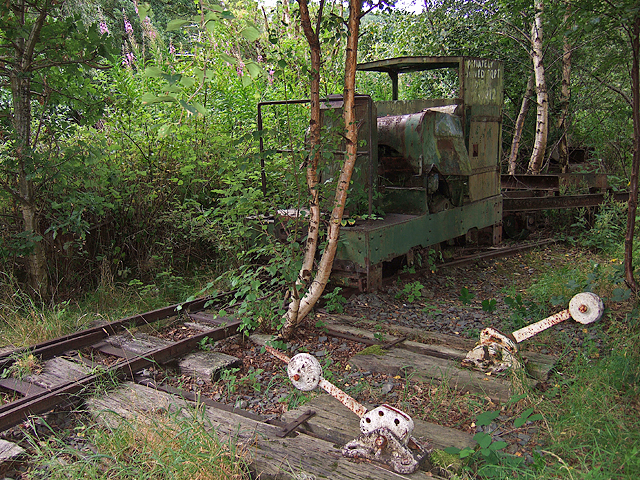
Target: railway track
(72, 364)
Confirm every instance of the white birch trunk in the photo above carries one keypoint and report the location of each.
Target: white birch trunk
(542, 115)
(517, 134)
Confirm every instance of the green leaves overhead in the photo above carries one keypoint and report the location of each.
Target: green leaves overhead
(228, 58)
(251, 33)
(153, 72)
(215, 15)
(150, 98)
(177, 24)
(254, 69)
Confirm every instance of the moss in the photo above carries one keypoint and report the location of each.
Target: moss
(373, 350)
(445, 464)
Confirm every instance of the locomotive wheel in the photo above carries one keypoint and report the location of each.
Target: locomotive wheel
(586, 308)
(304, 371)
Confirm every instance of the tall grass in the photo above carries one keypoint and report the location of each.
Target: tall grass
(596, 426)
(159, 447)
(25, 320)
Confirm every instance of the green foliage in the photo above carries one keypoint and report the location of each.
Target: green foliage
(522, 311)
(252, 380)
(526, 416)
(379, 334)
(584, 384)
(182, 445)
(410, 292)
(466, 296)
(230, 379)
(608, 230)
(489, 305)
(334, 301)
(206, 343)
(24, 364)
(487, 456)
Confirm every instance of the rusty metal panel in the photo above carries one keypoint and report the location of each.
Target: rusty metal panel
(410, 64)
(530, 182)
(551, 202)
(483, 82)
(484, 138)
(596, 181)
(402, 107)
(365, 171)
(410, 200)
(377, 241)
(484, 185)
(432, 137)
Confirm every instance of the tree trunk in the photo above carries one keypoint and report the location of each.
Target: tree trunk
(563, 144)
(326, 262)
(517, 134)
(542, 124)
(311, 244)
(21, 96)
(634, 34)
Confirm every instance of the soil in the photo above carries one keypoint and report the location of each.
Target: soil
(431, 301)
(449, 301)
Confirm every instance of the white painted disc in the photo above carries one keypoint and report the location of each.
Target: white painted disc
(304, 371)
(586, 308)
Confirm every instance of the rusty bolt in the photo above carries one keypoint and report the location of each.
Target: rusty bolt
(583, 308)
(381, 441)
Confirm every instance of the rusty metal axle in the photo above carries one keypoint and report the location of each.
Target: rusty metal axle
(385, 431)
(497, 351)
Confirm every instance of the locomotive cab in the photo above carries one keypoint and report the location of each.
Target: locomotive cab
(427, 168)
(437, 164)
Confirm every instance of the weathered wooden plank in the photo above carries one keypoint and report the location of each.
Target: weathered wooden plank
(207, 365)
(139, 344)
(270, 457)
(20, 386)
(447, 346)
(431, 338)
(197, 326)
(56, 372)
(337, 423)
(9, 451)
(426, 368)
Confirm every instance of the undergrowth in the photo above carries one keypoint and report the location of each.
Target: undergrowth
(154, 447)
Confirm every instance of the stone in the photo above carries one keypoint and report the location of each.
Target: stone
(9, 451)
(207, 366)
(387, 387)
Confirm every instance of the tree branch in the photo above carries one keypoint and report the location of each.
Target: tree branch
(625, 97)
(34, 35)
(319, 18)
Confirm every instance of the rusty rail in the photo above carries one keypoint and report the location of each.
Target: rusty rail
(530, 204)
(15, 412)
(84, 338)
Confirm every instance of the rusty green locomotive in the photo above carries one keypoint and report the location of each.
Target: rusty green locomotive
(431, 165)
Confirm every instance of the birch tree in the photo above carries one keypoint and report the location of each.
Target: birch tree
(517, 133)
(542, 97)
(300, 306)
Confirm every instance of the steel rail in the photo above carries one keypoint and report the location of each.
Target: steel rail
(84, 338)
(530, 204)
(13, 413)
(497, 253)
